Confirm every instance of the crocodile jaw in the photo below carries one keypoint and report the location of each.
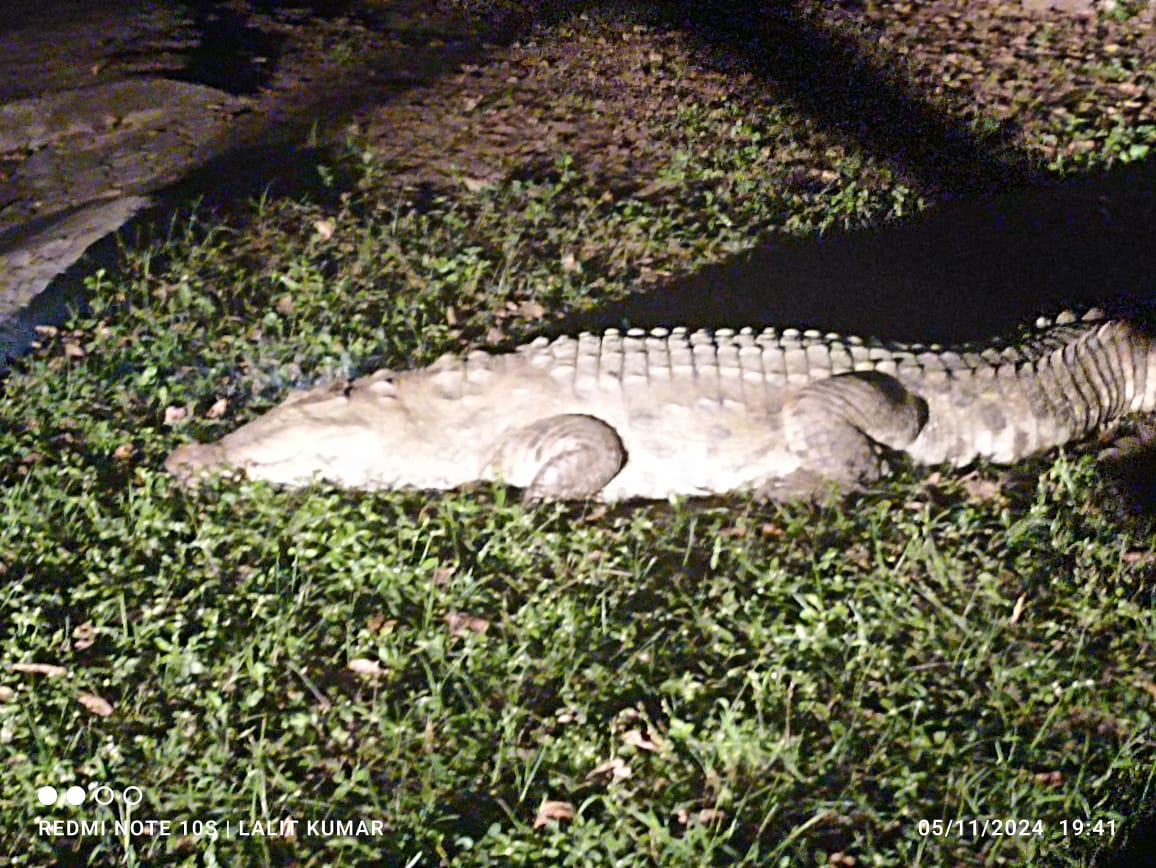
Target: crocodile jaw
(359, 438)
(288, 448)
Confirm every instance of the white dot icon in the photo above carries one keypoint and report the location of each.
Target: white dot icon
(47, 795)
(74, 795)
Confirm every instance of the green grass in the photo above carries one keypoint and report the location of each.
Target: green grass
(823, 679)
(702, 683)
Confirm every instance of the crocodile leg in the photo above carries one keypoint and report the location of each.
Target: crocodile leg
(560, 458)
(835, 427)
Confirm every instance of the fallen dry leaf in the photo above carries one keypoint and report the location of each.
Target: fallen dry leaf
(596, 514)
(123, 452)
(1049, 779)
(6, 693)
(83, 636)
(218, 409)
(98, 705)
(476, 185)
(379, 623)
(704, 816)
(615, 768)
(365, 666)
(461, 623)
(175, 414)
(637, 738)
(1017, 609)
(979, 488)
(325, 228)
(531, 310)
(551, 810)
(49, 669)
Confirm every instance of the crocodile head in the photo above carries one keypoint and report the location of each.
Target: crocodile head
(357, 435)
(344, 433)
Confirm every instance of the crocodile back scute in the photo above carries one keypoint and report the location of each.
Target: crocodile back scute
(781, 357)
(1000, 399)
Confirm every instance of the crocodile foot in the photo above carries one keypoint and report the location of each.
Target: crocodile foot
(564, 457)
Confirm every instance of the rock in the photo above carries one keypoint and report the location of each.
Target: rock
(30, 259)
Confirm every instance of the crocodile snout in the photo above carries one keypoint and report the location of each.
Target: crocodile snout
(195, 460)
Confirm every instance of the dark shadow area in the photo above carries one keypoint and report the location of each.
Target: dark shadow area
(829, 76)
(229, 54)
(315, 8)
(52, 306)
(232, 55)
(1137, 850)
(1004, 244)
(227, 184)
(1129, 467)
(967, 270)
(16, 15)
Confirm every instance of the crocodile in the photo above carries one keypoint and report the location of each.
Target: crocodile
(784, 414)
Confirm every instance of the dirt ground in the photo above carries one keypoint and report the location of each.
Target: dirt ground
(106, 108)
